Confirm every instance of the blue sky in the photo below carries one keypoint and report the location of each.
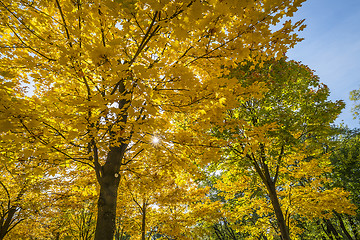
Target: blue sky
(332, 47)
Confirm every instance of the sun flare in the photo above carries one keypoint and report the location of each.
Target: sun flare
(155, 140)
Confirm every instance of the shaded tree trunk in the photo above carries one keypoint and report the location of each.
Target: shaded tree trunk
(331, 230)
(7, 222)
(108, 177)
(342, 225)
(277, 208)
(327, 232)
(143, 221)
(263, 171)
(353, 227)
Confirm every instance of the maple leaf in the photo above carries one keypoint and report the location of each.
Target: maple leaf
(106, 72)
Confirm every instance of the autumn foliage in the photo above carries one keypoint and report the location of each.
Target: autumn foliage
(113, 113)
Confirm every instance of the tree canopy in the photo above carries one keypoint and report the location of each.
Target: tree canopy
(276, 149)
(118, 100)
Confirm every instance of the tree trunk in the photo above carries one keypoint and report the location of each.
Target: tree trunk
(326, 231)
(6, 222)
(353, 227)
(143, 224)
(331, 229)
(105, 225)
(342, 225)
(263, 170)
(278, 212)
(108, 178)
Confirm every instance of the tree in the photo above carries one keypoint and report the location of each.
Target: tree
(24, 184)
(82, 223)
(159, 197)
(277, 147)
(346, 162)
(23, 180)
(355, 96)
(106, 72)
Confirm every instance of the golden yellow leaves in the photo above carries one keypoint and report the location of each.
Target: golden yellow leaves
(274, 150)
(197, 10)
(161, 193)
(312, 202)
(112, 73)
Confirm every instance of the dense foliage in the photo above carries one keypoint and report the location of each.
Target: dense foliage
(171, 119)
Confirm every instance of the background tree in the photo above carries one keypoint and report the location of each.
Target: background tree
(276, 149)
(355, 96)
(159, 197)
(346, 166)
(344, 161)
(24, 180)
(82, 222)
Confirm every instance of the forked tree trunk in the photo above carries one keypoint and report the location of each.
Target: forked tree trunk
(8, 219)
(108, 178)
(6, 222)
(278, 212)
(270, 184)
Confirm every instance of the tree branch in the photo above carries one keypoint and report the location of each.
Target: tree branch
(63, 19)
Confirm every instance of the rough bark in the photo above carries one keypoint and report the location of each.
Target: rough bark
(108, 178)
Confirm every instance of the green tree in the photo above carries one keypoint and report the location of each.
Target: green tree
(346, 174)
(355, 96)
(276, 148)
